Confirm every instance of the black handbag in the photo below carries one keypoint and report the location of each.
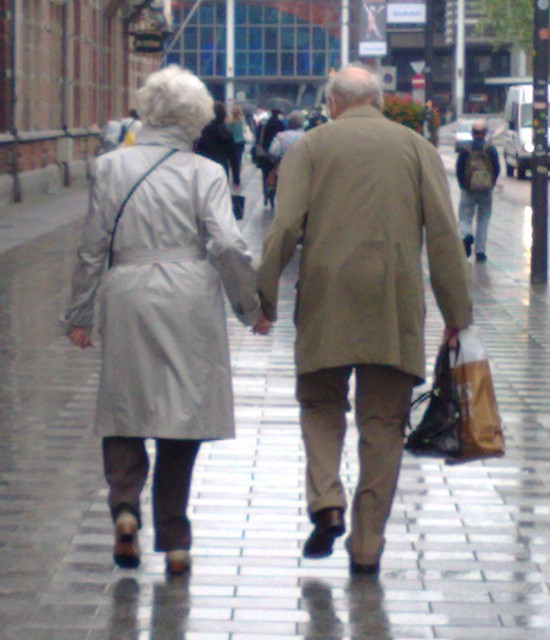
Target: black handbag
(438, 432)
(238, 206)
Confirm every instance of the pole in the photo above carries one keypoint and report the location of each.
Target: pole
(230, 54)
(344, 34)
(460, 57)
(428, 71)
(539, 179)
(429, 50)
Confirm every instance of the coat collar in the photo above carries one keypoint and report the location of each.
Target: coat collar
(361, 111)
(172, 136)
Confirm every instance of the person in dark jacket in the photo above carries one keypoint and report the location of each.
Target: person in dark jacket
(216, 142)
(475, 201)
(265, 133)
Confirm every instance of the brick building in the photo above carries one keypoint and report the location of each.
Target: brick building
(66, 68)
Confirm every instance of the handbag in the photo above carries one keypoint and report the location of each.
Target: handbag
(480, 423)
(438, 431)
(259, 154)
(237, 202)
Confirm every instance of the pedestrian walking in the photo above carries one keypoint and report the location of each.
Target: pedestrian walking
(279, 146)
(477, 171)
(241, 133)
(128, 128)
(265, 132)
(216, 142)
(364, 192)
(160, 216)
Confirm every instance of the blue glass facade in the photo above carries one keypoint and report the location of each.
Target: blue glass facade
(273, 39)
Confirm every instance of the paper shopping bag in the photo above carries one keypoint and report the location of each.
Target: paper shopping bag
(480, 423)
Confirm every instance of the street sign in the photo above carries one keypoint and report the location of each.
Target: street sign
(418, 66)
(418, 81)
(389, 78)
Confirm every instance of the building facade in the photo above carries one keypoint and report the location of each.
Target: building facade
(286, 48)
(66, 68)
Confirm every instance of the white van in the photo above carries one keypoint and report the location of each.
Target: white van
(518, 132)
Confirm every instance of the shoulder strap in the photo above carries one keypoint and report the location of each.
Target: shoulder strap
(125, 201)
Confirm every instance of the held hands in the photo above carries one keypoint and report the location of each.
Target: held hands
(263, 326)
(80, 338)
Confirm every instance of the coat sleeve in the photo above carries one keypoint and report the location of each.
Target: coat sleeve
(291, 206)
(91, 259)
(228, 250)
(447, 261)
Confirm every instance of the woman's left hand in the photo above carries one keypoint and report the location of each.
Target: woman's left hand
(80, 337)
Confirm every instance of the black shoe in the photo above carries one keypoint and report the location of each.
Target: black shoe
(358, 569)
(481, 257)
(329, 525)
(468, 242)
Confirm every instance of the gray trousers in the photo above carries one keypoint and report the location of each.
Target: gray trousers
(126, 466)
(470, 204)
(382, 400)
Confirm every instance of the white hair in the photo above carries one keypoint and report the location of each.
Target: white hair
(175, 96)
(355, 84)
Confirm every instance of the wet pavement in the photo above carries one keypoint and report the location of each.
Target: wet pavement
(468, 552)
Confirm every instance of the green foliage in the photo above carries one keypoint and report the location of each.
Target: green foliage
(510, 21)
(404, 110)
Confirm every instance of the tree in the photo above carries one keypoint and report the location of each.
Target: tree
(509, 21)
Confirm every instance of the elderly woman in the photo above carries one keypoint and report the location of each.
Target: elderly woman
(160, 216)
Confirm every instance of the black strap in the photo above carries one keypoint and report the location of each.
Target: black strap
(121, 210)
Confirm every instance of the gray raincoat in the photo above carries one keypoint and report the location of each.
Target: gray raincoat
(166, 370)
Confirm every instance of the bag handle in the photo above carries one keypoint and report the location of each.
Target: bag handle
(125, 201)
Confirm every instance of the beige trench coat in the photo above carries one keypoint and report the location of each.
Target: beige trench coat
(367, 191)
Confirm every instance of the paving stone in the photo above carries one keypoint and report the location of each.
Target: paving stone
(468, 549)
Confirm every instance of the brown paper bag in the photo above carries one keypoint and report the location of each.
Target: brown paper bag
(480, 423)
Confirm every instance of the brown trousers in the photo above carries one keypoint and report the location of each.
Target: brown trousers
(382, 400)
(126, 466)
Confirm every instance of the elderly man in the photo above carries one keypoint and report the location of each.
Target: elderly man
(364, 192)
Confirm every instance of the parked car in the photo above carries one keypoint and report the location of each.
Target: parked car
(463, 133)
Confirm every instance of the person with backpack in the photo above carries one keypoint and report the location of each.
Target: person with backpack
(477, 170)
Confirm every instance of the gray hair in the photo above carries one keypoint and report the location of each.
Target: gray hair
(356, 84)
(295, 120)
(175, 96)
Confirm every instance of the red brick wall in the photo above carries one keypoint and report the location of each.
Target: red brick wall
(81, 84)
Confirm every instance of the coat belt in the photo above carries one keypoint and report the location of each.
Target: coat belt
(149, 256)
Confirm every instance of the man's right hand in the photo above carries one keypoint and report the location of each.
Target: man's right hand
(80, 337)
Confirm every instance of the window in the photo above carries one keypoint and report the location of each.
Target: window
(270, 64)
(271, 40)
(303, 61)
(303, 39)
(255, 64)
(287, 38)
(255, 39)
(287, 64)
(207, 63)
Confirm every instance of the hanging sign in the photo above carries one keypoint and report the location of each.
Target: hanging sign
(372, 28)
(406, 12)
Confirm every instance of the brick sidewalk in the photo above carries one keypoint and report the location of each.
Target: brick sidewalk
(468, 546)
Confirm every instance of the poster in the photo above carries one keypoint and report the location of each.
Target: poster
(372, 28)
(406, 12)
